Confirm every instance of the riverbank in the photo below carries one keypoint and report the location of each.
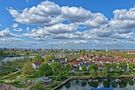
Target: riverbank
(64, 82)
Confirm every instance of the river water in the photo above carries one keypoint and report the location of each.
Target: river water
(102, 84)
(8, 58)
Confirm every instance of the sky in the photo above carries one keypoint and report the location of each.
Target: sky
(70, 24)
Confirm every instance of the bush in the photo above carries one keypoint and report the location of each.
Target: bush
(15, 82)
(54, 84)
(115, 75)
(61, 76)
(48, 89)
(37, 86)
(1, 81)
(46, 70)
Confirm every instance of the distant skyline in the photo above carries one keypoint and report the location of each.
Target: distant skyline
(70, 24)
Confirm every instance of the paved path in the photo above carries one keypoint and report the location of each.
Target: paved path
(64, 82)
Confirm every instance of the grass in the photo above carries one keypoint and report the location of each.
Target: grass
(12, 75)
(19, 85)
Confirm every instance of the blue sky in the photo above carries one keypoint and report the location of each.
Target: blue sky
(67, 24)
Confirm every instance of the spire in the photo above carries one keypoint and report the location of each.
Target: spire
(106, 48)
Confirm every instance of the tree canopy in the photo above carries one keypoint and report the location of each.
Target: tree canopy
(45, 69)
(27, 69)
(56, 68)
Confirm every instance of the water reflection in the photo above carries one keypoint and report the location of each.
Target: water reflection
(100, 84)
(77, 81)
(106, 84)
(84, 83)
(93, 83)
(131, 82)
(122, 83)
(67, 85)
(114, 84)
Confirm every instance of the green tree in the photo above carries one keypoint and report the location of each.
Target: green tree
(108, 67)
(56, 68)
(82, 52)
(68, 67)
(1, 52)
(27, 69)
(123, 66)
(45, 69)
(49, 57)
(93, 67)
(38, 58)
(105, 72)
(92, 73)
(114, 67)
(131, 66)
(84, 68)
(61, 76)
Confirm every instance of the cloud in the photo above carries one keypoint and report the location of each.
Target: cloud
(45, 13)
(73, 42)
(96, 20)
(123, 18)
(75, 14)
(60, 28)
(5, 33)
(28, 28)
(7, 36)
(18, 29)
(74, 23)
(124, 14)
(122, 36)
(53, 30)
(15, 25)
(49, 13)
(68, 36)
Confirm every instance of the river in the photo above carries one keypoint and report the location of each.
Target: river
(100, 84)
(10, 58)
